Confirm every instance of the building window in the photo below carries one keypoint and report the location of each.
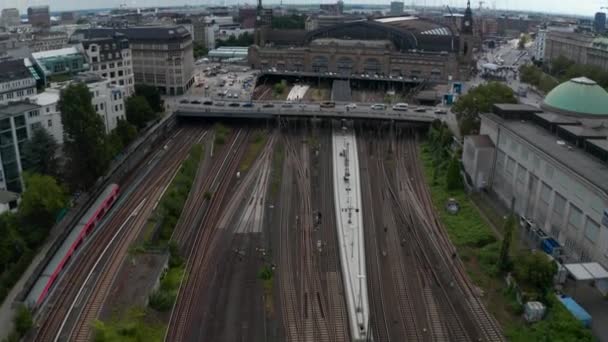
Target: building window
(592, 230)
(48, 109)
(575, 217)
(116, 108)
(35, 126)
(97, 108)
(112, 74)
(121, 82)
(50, 123)
(111, 66)
(119, 64)
(9, 96)
(103, 67)
(101, 106)
(93, 48)
(94, 59)
(33, 113)
(20, 93)
(120, 73)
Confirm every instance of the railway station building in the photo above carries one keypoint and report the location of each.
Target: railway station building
(407, 47)
(552, 163)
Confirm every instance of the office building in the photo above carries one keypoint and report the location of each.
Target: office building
(599, 22)
(39, 16)
(14, 133)
(10, 17)
(539, 45)
(579, 48)
(16, 81)
(47, 116)
(204, 33)
(396, 8)
(551, 163)
(48, 40)
(162, 57)
(109, 56)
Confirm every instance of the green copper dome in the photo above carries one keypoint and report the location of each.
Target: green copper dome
(579, 96)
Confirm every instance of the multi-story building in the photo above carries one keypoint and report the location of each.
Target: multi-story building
(39, 16)
(551, 164)
(599, 22)
(14, 132)
(204, 33)
(55, 63)
(109, 55)
(579, 48)
(16, 81)
(47, 40)
(396, 8)
(107, 98)
(539, 45)
(162, 57)
(48, 116)
(10, 17)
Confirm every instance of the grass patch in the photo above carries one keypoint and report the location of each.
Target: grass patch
(479, 250)
(163, 298)
(255, 146)
(221, 133)
(277, 167)
(137, 324)
(266, 274)
(159, 227)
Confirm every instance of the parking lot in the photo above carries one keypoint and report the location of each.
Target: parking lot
(223, 82)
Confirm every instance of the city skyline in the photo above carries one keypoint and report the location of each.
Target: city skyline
(583, 7)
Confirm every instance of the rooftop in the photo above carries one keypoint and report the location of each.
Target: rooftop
(580, 162)
(45, 98)
(13, 70)
(602, 144)
(16, 108)
(155, 32)
(578, 97)
(379, 44)
(56, 53)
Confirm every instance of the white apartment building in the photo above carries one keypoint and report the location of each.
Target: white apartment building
(109, 54)
(16, 81)
(539, 45)
(47, 116)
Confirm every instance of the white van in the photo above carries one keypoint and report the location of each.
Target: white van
(400, 106)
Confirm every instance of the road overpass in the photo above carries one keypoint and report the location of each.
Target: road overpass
(275, 110)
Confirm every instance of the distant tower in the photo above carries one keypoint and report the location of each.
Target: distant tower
(599, 24)
(262, 24)
(467, 39)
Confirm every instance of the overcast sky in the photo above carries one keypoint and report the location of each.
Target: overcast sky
(580, 7)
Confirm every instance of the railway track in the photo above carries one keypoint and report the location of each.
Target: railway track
(63, 299)
(201, 254)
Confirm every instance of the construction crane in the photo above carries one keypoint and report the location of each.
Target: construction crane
(456, 25)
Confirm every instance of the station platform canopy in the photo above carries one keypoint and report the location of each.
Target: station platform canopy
(587, 271)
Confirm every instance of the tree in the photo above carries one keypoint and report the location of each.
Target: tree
(535, 269)
(453, 181)
(139, 111)
(504, 261)
(126, 132)
(85, 141)
(41, 200)
(152, 96)
(40, 153)
(478, 100)
(23, 320)
(199, 50)
(559, 65)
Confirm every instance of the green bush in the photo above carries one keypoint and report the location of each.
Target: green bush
(163, 298)
(23, 320)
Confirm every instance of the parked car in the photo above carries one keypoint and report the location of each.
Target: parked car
(184, 101)
(234, 104)
(400, 106)
(268, 105)
(208, 103)
(195, 102)
(378, 106)
(220, 104)
(440, 111)
(351, 106)
(420, 109)
(287, 105)
(327, 104)
(248, 105)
